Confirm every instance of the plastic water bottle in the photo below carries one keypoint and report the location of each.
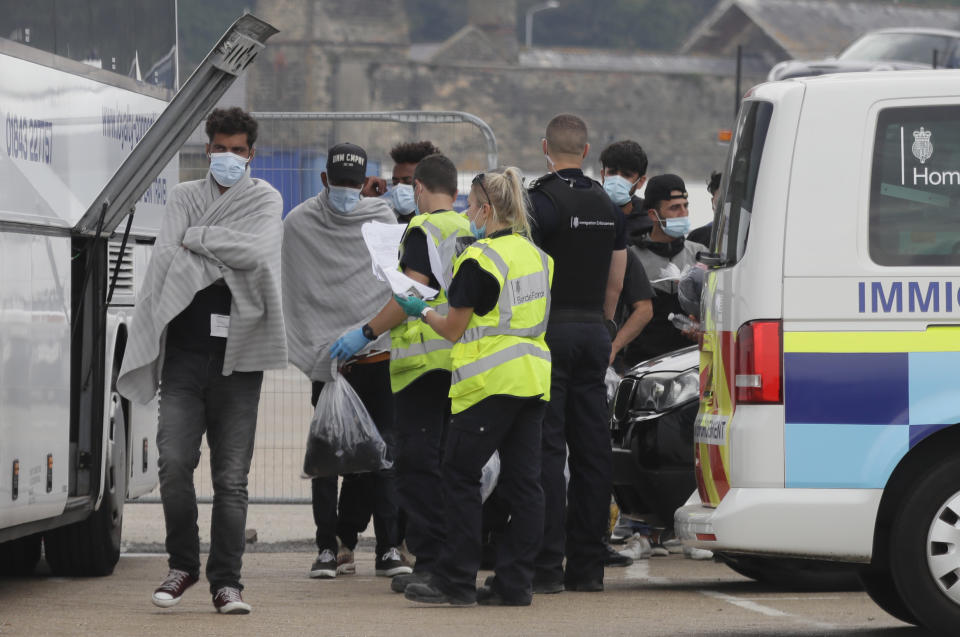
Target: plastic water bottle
(683, 323)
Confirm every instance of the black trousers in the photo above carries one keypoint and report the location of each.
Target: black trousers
(511, 426)
(577, 420)
(361, 493)
(422, 413)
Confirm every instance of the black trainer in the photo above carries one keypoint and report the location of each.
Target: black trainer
(584, 586)
(399, 583)
(428, 594)
(325, 566)
(547, 585)
(391, 564)
(489, 596)
(613, 558)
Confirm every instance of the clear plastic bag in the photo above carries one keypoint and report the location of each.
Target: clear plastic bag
(489, 476)
(343, 437)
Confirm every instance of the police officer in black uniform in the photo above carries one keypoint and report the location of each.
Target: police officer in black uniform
(576, 223)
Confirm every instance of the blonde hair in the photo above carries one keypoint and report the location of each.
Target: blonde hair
(507, 197)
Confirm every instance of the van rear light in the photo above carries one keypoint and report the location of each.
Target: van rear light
(758, 376)
(706, 537)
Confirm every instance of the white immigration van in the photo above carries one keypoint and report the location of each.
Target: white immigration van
(830, 400)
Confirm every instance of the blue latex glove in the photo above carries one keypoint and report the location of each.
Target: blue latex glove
(349, 344)
(411, 304)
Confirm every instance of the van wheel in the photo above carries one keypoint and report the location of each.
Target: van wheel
(926, 536)
(20, 556)
(883, 591)
(92, 547)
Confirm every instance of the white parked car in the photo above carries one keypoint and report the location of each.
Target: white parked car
(882, 50)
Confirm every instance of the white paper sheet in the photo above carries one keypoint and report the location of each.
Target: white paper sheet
(383, 242)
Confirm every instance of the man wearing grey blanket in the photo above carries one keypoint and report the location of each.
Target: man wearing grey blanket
(329, 295)
(208, 323)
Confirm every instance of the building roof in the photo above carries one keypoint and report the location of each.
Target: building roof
(597, 60)
(808, 28)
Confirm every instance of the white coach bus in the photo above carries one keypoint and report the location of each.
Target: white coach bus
(87, 159)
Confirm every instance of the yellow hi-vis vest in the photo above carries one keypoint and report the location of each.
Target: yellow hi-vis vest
(415, 348)
(504, 352)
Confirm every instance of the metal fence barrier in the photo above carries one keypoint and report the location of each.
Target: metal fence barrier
(290, 154)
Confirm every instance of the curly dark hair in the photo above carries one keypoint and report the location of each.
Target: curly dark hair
(713, 182)
(231, 121)
(412, 152)
(625, 155)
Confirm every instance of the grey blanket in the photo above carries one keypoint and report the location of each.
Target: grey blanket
(207, 236)
(328, 281)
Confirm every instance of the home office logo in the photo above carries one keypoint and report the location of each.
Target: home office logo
(574, 222)
(922, 149)
(923, 176)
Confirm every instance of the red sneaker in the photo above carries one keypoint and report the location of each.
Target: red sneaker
(228, 601)
(172, 589)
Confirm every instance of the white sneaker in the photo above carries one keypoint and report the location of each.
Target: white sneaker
(697, 554)
(673, 545)
(637, 547)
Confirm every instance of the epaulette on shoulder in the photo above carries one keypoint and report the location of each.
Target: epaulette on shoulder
(539, 182)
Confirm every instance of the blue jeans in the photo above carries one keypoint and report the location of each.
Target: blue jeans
(195, 398)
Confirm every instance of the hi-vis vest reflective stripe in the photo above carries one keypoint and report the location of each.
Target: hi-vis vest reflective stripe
(504, 352)
(415, 347)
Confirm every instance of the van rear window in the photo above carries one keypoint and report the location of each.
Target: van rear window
(740, 181)
(915, 187)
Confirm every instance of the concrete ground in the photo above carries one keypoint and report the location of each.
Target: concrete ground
(658, 596)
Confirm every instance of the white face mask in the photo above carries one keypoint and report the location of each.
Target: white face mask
(402, 199)
(227, 168)
(343, 199)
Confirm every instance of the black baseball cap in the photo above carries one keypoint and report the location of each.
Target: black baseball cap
(661, 188)
(346, 163)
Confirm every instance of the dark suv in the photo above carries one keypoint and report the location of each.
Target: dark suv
(651, 429)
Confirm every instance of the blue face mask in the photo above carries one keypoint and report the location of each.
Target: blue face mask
(675, 227)
(478, 233)
(618, 189)
(343, 199)
(401, 199)
(227, 168)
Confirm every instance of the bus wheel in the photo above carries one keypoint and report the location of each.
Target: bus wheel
(925, 560)
(92, 547)
(883, 591)
(20, 556)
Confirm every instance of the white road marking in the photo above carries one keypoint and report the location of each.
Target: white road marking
(750, 605)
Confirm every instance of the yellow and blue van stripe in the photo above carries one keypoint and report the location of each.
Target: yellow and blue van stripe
(856, 402)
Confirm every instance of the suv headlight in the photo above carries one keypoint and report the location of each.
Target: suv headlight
(665, 390)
